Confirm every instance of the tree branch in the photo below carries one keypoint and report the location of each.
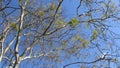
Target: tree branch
(49, 25)
(101, 58)
(18, 37)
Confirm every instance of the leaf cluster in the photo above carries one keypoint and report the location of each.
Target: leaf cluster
(73, 22)
(14, 26)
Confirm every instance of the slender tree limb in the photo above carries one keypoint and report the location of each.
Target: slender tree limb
(2, 40)
(100, 59)
(49, 25)
(77, 10)
(18, 36)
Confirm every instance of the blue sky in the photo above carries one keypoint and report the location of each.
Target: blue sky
(70, 12)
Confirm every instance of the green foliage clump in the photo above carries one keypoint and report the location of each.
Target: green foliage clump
(73, 22)
(42, 13)
(52, 6)
(94, 35)
(14, 26)
(60, 24)
(83, 41)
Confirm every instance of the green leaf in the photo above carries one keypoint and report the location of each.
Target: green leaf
(84, 42)
(42, 13)
(14, 26)
(73, 22)
(52, 6)
(60, 24)
(94, 35)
